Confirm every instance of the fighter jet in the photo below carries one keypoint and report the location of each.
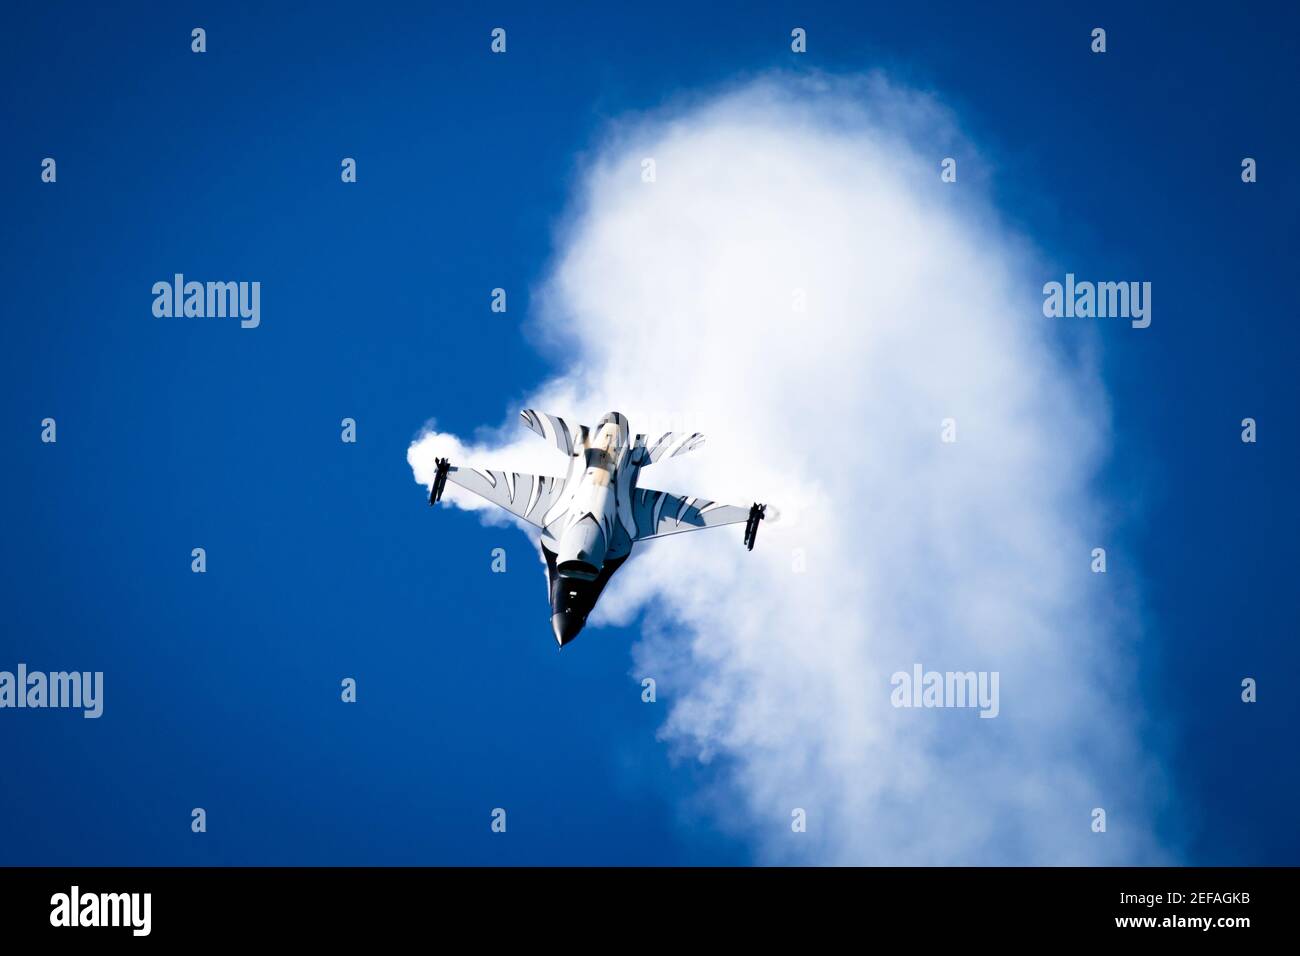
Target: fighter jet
(591, 517)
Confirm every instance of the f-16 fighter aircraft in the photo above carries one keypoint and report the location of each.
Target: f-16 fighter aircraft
(592, 516)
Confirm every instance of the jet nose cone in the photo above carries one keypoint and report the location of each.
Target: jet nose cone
(566, 626)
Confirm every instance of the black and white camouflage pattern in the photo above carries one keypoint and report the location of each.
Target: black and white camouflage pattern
(602, 482)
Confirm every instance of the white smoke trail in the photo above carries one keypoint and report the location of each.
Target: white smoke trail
(677, 302)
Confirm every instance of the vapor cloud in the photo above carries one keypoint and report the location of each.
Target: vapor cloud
(678, 303)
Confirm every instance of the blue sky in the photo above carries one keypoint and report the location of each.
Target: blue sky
(323, 562)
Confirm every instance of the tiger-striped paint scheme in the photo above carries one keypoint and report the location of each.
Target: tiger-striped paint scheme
(591, 517)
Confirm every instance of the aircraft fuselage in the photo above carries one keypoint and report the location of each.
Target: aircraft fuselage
(593, 543)
(590, 518)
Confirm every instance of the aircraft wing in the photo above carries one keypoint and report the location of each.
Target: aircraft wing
(526, 496)
(670, 445)
(562, 434)
(658, 513)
